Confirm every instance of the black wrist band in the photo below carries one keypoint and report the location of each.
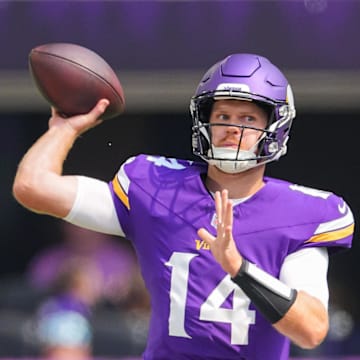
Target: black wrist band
(270, 296)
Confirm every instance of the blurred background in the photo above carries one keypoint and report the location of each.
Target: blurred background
(160, 50)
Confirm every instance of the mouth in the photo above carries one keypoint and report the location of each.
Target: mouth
(230, 145)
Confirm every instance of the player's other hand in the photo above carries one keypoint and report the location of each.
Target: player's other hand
(223, 246)
(79, 123)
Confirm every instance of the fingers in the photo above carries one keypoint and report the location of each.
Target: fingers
(228, 216)
(223, 246)
(96, 111)
(224, 214)
(206, 236)
(218, 207)
(57, 113)
(100, 108)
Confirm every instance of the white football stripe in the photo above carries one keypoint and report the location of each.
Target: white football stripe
(123, 178)
(336, 224)
(269, 281)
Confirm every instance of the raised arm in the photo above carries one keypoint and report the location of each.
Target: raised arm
(39, 184)
(296, 314)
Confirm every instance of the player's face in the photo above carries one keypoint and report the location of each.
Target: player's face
(235, 120)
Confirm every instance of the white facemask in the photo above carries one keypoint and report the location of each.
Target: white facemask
(232, 166)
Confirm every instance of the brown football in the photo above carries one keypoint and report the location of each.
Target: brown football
(73, 78)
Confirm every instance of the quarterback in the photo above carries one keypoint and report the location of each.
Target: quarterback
(235, 262)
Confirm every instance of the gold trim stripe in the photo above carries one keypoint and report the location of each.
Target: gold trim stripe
(119, 191)
(333, 235)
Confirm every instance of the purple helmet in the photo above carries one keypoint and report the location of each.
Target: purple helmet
(244, 77)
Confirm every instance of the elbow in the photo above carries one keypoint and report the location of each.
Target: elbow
(27, 193)
(314, 336)
(21, 191)
(42, 193)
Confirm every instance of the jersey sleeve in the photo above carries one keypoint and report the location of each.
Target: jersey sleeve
(93, 207)
(145, 183)
(119, 187)
(310, 217)
(306, 270)
(336, 228)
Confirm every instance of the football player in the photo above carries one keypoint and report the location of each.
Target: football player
(235, 262)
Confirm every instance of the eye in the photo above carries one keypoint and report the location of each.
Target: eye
(222, 116)
(248, 119)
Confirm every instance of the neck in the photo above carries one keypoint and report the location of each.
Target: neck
(239, 185)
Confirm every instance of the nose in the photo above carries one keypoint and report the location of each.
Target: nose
(233, 129)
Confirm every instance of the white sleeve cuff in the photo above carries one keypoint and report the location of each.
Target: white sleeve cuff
(94, 208)
(306, 270)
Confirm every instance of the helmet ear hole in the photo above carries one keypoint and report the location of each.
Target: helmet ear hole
(205, 143)
(205, 108)
(200, 139)
(268, 109)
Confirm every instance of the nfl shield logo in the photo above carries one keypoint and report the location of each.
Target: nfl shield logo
(214, 221)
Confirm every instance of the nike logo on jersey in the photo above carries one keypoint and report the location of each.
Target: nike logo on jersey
(342, 208)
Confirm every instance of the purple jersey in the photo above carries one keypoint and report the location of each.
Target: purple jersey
(197, 311)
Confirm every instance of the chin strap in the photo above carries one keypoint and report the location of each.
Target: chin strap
(230, 160)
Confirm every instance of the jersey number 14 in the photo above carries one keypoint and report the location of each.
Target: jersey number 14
(240, 317)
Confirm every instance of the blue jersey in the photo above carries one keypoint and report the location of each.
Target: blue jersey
(197, 311)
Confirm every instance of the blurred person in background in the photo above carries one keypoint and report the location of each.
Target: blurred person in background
(235, 262)
(115, 260)
(81, 277)
(63, 320)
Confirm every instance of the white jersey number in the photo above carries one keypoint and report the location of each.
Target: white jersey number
(311, 191)
(166, 162)
(240, 317)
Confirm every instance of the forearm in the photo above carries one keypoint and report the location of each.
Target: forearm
(38, 183)
(295, 314)
(306, 323)
(49, 152)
